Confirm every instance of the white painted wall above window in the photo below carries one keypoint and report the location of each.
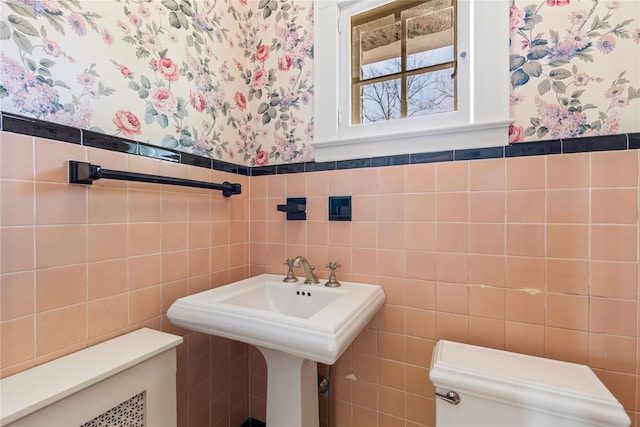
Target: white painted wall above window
(481, 119)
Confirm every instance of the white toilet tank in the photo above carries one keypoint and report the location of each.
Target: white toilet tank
(499, 388)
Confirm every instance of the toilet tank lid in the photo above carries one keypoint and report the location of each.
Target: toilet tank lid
(566, 389)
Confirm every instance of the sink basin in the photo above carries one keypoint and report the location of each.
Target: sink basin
(292, 324)
(311, 321)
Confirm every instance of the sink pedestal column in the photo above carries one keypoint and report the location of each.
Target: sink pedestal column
(292, 390)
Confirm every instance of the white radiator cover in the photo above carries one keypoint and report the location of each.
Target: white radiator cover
(76, 388)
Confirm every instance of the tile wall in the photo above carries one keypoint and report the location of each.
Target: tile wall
(535, 254)
(82, 264)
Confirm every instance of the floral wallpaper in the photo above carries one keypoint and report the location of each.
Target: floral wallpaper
(575, 68)
(227, 79)
(232, 79)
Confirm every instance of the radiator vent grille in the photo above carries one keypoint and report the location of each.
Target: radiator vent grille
(129, 413)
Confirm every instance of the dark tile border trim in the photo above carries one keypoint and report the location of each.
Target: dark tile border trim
(28, 126)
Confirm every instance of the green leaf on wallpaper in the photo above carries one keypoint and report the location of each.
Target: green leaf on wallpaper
(3, 92)
(31, 65)
(169, 141)
(44, 72)
(23, 25)
(538, 52)
(559, 61)
(133, 85)
(559, 74)
(262, 108)
(144, 81)
(544, 86)
(143, 93)
(173, 20)
(589, 106)
(263, 4)
(105, 90)
(266, 12)
(60, 83)
(22, 42)
(266, 118)
(516, 61)
(162, 120)
(633, 93)
(55, 22)
(5, 31)
(186, 9)
(559, 87)
(186, 142)
(149, 118)
(189, 40)
(519, 78)
(46, 62)
(533, 68)
(183, 20)
(20, 9)
(170, 4)
(142, 52)
(577, 93)
(542, 131)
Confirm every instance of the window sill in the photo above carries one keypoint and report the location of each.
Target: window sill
(476, 135)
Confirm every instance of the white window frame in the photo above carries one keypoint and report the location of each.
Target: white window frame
(481, 119)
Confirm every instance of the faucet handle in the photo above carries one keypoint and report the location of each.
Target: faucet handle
(290, 278)
(332, 282)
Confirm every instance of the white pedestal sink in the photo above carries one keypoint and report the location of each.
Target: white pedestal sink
(292, 324)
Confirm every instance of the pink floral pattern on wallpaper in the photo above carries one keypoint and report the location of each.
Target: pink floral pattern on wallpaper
(556, 68)
(227, 79)
(232, 79)
(35, 80)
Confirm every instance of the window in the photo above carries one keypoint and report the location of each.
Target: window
(403, 61)
(409, 76)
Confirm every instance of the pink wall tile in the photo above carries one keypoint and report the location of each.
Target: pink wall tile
(487, 174)
(20, 333)
(452, 176)
(487, 206)
(525, 173)
(567, 206)
(57, 329)
(524, 338)
(71, 237)
(60, 287)
(566, 344)
(475, 251)
(16, 295)
(525, 206)
(567, 276)
(20, 210)
(420, 178)
(614, 169)
(17, 249)
(568, 171)
(16, 156)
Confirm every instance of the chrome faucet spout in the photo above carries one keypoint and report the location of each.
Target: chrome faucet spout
(309, 276)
